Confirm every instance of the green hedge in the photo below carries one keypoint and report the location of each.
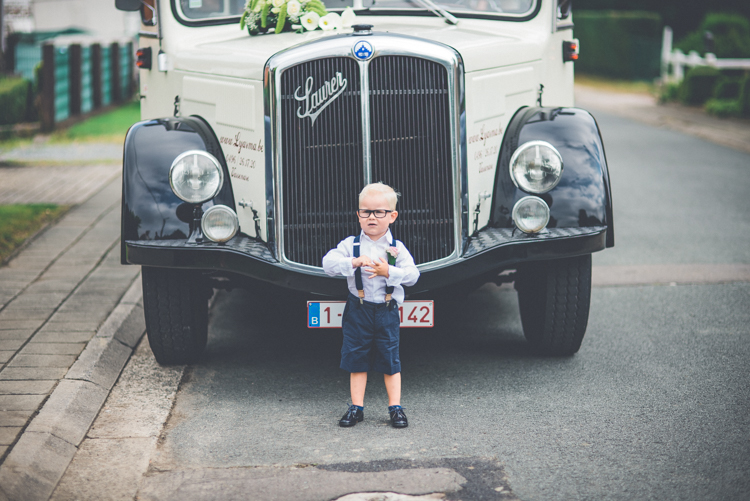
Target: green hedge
(731, 36)
(745, 96)
(699, 84)
(619, 44)
(14, 98)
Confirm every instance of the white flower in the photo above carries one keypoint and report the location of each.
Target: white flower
(293, 8)
(348, 17)
(275, 10)
(330, 22)
(278, 3)
(310, 20)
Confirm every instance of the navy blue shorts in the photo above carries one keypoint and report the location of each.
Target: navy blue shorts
(371, 337)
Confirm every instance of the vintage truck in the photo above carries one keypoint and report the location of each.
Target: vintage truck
(246, 167)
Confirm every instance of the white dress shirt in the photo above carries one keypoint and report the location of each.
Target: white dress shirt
(338, 262)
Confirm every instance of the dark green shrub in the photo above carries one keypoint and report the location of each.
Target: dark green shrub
(619, 44)
(14, 94)
(668, 92)
(724, 107)
(698, 85)
(745, 96)
(731, 36)
(727, 87)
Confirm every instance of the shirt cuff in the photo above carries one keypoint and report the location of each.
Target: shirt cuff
(345, 267)
(395, 276)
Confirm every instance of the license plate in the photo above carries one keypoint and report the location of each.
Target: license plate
(327, 314)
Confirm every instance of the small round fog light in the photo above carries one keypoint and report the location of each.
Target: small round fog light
(531, 214)
(219, 223)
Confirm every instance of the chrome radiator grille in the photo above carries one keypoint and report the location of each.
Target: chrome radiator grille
(410, 134)
(321, 167)
(323, 163)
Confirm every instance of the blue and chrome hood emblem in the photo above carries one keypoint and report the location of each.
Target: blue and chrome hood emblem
(362, 50)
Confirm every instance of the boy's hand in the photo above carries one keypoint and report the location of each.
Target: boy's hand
(361, 261)
(380, 268)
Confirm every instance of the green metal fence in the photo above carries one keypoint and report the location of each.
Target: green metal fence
(106, 75)
(62, 84)
(126, 69)
(87, 90)
(77, 79)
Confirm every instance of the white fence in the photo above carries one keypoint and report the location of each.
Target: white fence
(674, 61)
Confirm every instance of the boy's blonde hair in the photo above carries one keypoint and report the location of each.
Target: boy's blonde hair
(390, 194)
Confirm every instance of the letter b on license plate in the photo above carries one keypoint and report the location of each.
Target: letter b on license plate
(328, 314)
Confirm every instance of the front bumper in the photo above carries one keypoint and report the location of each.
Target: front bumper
(488, 253)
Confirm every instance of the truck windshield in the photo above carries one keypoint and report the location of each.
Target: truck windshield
(217, 9)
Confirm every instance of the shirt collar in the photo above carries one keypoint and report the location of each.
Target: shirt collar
(387, 238)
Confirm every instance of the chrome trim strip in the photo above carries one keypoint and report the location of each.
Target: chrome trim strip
(383, 44)
(364, 96)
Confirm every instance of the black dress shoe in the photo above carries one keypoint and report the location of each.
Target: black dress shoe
(398, 418)
(353, 416)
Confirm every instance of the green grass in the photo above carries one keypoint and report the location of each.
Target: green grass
(609, 84)
(109, 126)
(19, 222)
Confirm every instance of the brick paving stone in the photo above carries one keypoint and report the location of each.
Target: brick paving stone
(12, 325)
(18, 334)
(59, 336)
(72, 326)
(42, 361)
(8, 434)
(20, 402)
(32, 373)
(45, 285)
(12, 313)
(35, 465)
(53, 349)
(43, 184)
(15, 418)
(38, 299)
(10, 344)
(26, 387)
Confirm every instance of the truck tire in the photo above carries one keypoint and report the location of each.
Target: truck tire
(554, 298)
(175, 304)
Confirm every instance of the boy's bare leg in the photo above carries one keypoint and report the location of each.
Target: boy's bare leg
(357, 384)
(393, 387)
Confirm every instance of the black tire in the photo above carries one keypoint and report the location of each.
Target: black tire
(554, 299)
(175, 304)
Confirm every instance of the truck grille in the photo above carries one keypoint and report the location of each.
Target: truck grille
(323, 167)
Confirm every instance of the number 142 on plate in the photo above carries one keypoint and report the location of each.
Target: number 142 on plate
(328, 314)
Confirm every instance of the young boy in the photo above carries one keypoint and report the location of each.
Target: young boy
(371, 319)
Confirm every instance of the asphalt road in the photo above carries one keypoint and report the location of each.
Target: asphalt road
(654, 406)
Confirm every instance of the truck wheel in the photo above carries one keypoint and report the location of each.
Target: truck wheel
(554, 298)
(175, 303)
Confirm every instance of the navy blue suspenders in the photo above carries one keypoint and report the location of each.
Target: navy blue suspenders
(358, 276)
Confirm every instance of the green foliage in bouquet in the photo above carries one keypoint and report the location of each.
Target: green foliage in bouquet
(262, 16)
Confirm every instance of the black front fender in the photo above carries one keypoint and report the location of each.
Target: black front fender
(150, 209)
(583, 197)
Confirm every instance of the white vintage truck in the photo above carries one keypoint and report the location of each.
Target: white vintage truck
(253, 147)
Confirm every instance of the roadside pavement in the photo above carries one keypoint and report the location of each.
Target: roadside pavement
(69, 312)
(71, 316)
(731, 132)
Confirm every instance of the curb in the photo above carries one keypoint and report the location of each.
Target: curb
(39, 459)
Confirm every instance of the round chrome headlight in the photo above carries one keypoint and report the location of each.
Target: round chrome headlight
(196, 176)
(219, 223)
(531, 214)
(536, 167)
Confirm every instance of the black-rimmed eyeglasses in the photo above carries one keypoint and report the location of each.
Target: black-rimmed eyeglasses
(378, 213)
